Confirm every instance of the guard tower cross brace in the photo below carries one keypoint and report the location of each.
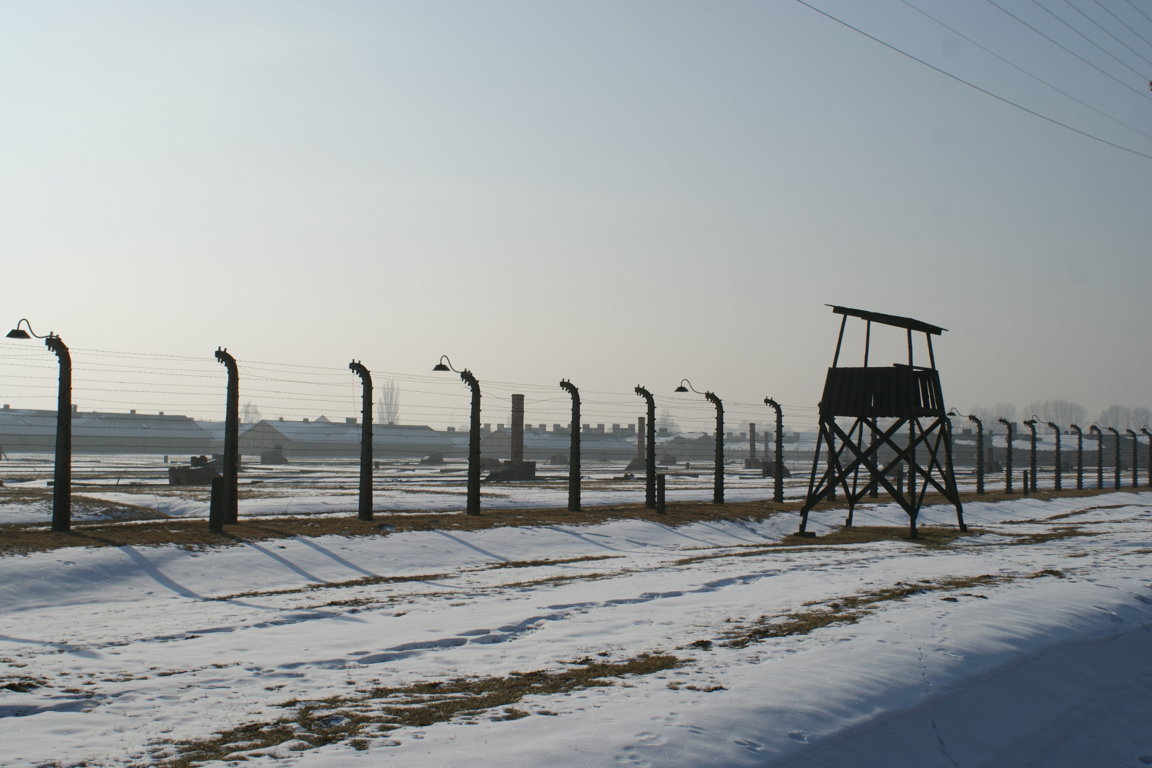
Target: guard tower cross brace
(878, 424)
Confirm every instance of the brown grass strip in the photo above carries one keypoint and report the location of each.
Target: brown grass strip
(370, 713)
(850, 609)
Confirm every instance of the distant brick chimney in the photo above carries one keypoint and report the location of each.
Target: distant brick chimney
(517, 430)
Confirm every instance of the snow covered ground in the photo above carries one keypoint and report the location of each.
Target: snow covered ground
(1028, 643)
(117, 487)
(330, 487)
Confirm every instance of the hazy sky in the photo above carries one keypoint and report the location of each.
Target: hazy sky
(617, 193)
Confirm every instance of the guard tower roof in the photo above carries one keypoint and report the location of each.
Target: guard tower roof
(895, 320)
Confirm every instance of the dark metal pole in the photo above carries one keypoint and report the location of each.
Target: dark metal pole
(1031, 423)
(62, 473)
(991, 447)
(231, 469)
(718, 479)
(473, 507)
(574, 447)
(951, 438)
(215, 508)
(1008, 460)
(1079, 457)
(1116, 471)
(1148, 434)
(365, 508)
(1095, 429)
(649, 449)
(979, 454)
(1135, 465)
(778, 460)
(1057, 478)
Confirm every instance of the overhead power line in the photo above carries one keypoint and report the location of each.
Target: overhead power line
(1126, 26)
(1068, 50)
(1023, 71)
(1092, 42)
(1139, 10)
(985, 91)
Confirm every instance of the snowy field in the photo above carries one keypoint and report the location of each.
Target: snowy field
(111, 487)
(120, 486)
(1028, 643)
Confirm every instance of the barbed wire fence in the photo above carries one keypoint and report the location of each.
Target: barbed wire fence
(178, 403)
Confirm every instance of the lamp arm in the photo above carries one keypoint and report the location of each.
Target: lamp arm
(685, 383)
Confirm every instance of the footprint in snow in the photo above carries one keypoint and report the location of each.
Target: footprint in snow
(649, 739)
(630, 758)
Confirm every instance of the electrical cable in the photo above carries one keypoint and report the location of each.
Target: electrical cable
(1066, 49)
(1138, 10)
(976, 87)
(1124, 24)
(1023, 71)
(1095, 44)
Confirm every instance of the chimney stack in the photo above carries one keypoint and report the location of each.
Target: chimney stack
(517, 430)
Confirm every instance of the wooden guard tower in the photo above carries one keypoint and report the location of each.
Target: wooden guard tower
(877, 423)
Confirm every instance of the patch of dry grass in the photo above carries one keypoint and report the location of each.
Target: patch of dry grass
(852, 608)
(541, 563)
(81, 505)
(1087, 510)
(21, 684)
(932, 537)
(365, 581)
(1043, 537)
(553, 581)
(366, 714)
